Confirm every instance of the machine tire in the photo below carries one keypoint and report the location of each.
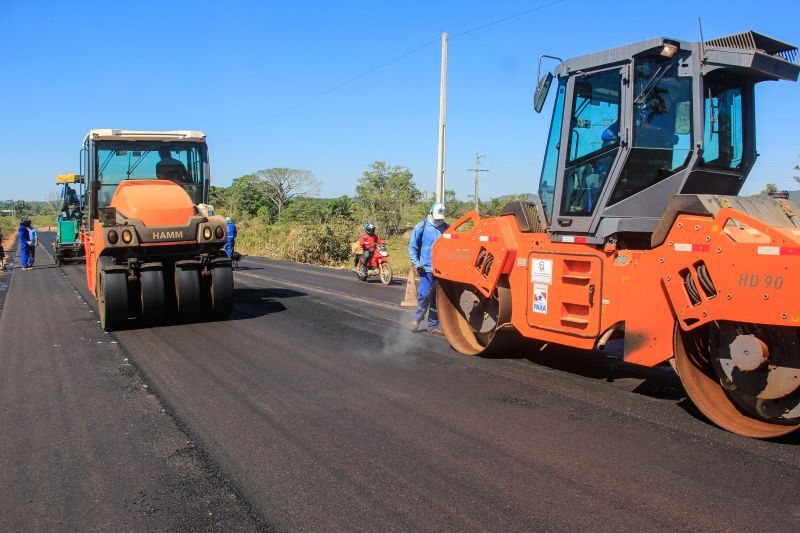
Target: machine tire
(112, 299)
(221, 291)
(152, 294)
(187, 292)
(695, 367)
(386, 273)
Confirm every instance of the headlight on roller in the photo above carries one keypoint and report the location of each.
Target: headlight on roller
(219, 232)
(127, 236)
(113, 237)
(206, 233)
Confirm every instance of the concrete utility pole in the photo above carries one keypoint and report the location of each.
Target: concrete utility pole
(477, 169)
(441, 163)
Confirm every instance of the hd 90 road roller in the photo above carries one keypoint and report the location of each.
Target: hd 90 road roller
(153, 245)
(638, 232)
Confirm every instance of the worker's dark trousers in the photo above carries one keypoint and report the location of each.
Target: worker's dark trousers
(366, 256)
(426, 301)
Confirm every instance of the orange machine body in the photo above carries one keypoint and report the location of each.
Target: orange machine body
(147, 208)
(575, 293)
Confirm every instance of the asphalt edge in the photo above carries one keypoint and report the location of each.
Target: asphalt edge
(197, 448)
(11, 252)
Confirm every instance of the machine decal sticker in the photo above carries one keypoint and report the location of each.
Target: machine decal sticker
(542, 271)
(540, 298)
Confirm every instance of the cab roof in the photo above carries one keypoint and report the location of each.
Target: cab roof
(107, 134)
(766, 57)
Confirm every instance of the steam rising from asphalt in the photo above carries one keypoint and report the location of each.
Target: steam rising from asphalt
(400, 340)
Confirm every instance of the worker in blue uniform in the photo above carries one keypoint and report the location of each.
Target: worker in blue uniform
(24, 241)
(231, 237)
(419, 252)
(33, 238)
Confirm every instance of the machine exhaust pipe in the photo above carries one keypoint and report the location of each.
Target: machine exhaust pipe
(601, 342)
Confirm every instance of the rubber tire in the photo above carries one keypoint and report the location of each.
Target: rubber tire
(112, 300)
(152, 294)
(386, 273)
(187, 292)
(221, 291)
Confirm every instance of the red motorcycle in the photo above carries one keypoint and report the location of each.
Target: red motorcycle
(378, 265)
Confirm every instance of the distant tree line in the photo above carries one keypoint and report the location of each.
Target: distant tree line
(385, 194)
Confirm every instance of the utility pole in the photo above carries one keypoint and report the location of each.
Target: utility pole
(477, 170)
(441, 163)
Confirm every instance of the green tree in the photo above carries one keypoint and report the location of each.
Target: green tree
(387, 193)
(220, 198)
(304, 210)
(340, 207)
(766, 191)
(282, 185)
(247, 195)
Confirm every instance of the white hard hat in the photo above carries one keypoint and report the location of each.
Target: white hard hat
(437, 211)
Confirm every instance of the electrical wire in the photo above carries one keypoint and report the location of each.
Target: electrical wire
(385, 64)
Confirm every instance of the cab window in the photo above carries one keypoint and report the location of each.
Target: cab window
(662, 137)
(547, 181)
(723, 128)
(594, 140)
(595, 114)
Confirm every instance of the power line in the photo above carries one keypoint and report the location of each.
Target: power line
(506, 19)
(379, 67)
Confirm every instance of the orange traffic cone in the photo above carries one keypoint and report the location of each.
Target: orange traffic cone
(410, 299)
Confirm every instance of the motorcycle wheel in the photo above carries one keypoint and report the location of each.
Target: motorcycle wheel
(386, 273)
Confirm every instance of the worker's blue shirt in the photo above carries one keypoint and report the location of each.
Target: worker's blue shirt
(24, 236)
(32, 234)
(420, 249)
(231, 232)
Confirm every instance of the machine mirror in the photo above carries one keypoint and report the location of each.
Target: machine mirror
(137, 154)
(683, 119)
(121, 153)
(542, 88)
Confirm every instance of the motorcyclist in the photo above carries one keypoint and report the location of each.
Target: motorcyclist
(368, 242)
(419, 252)
(229, 245)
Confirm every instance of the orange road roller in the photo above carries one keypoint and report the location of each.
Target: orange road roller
(154, 247)
(637, 231)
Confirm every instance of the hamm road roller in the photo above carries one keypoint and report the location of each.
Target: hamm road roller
(637, 231)
(153, 245)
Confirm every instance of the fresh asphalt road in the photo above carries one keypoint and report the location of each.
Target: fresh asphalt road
(316, 409)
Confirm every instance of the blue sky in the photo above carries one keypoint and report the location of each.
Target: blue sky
(231, 68)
